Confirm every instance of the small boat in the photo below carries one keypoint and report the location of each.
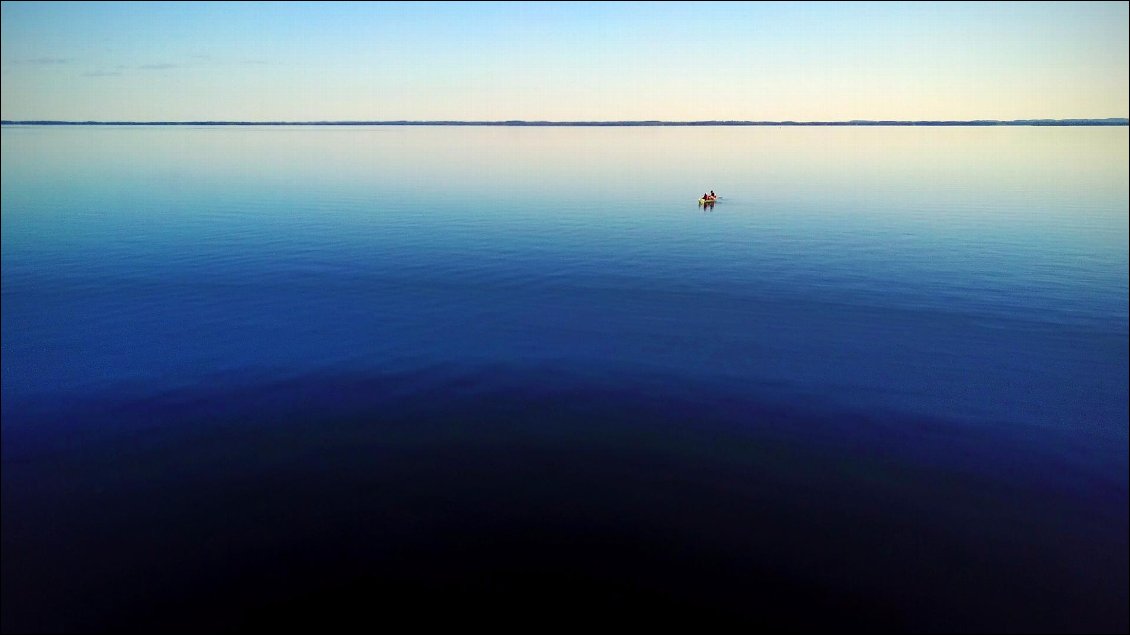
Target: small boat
(704, 201)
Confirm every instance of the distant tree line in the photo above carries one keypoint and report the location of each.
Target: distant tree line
(976, 122)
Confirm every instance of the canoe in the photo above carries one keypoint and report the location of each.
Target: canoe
(703, 201)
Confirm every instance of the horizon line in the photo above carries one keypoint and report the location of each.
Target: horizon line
(1108, 121)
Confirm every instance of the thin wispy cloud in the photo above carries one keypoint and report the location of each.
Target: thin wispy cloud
(45, 61)
(122, 69)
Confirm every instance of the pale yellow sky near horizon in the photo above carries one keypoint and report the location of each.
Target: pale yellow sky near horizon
(564, 61)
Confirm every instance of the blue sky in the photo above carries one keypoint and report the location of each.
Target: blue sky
(563, 61)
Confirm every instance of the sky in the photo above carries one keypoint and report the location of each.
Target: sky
(562, 61)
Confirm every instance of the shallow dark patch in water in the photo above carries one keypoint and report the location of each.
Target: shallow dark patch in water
(546, 498)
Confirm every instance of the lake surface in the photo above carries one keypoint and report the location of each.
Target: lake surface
(301, 376)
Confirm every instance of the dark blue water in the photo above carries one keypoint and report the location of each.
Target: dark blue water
(306, 376)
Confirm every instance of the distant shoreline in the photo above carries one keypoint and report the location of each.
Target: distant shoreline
(1114, 121)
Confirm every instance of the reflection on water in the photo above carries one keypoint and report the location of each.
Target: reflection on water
(280, 371)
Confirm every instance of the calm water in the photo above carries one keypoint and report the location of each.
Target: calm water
(279, 376)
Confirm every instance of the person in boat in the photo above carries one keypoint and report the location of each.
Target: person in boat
(712, 196)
